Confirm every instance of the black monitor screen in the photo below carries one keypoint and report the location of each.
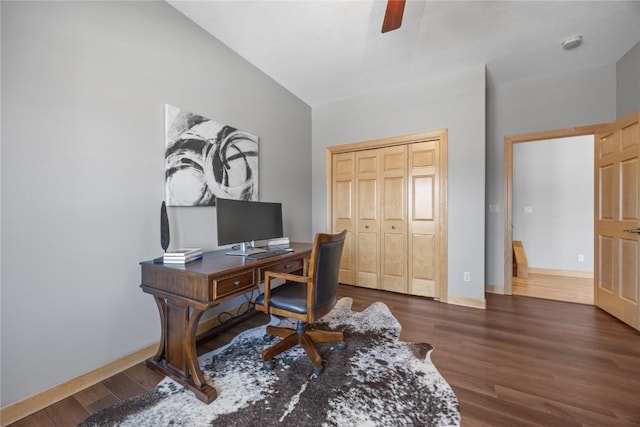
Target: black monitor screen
(243, 221)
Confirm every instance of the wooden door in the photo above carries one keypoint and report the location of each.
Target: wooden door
(425, 245)
(393, 214)
(617, 213)
(397, 190)
(367, 218)
(343, 211)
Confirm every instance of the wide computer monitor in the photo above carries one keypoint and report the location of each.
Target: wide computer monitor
(242, 222)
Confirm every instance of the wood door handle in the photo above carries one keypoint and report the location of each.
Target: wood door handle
(634, 230)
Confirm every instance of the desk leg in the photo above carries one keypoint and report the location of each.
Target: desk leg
(176, 356)
(162, 308)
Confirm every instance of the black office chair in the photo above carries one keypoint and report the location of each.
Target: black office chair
(305, 298)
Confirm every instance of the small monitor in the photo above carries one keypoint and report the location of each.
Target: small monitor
(242, 222)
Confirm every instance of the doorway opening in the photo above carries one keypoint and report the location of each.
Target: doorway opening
(553, 218)
(542, 282)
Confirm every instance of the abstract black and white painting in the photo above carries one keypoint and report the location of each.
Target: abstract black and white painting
(205, 159)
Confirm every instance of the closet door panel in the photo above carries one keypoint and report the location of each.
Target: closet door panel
(423, 267)
(343, 211)
(367, 201)
(367, 218)
(393, 200)
(367, 260)
(424, 222)
(394, 264)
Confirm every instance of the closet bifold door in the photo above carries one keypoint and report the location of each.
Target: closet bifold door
(424, 220)
(343, 211)
(393, 214)
(390, 195)
(367, 201)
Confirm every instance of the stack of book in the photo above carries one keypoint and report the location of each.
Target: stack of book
(182, 256)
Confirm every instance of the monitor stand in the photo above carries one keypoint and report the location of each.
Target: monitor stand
(246, 249)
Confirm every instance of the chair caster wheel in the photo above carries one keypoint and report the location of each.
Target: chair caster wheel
(267, 338)
(268, 365)
(317, 371)
(341, 345)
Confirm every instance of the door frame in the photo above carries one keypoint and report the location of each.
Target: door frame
(442, 136)
(509, 141)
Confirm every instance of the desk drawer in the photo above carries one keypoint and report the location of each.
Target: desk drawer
(232, 284)
(288, 266)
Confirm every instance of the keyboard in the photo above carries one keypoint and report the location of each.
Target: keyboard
(269, 254)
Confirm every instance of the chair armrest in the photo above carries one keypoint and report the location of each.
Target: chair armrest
(285, 276)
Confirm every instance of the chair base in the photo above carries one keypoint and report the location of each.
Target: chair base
(306, 338)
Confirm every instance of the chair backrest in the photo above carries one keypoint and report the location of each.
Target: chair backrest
(324, 267)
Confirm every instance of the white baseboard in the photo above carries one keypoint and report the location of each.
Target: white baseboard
(494, 289)
(467, 302)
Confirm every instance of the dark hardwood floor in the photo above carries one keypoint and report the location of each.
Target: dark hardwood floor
(521, 362)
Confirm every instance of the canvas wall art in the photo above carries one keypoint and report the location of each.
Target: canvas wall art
(205, 159)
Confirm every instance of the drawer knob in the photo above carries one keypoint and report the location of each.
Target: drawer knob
(393, 227)
(366, 226)
(287, 266)
(237, 283)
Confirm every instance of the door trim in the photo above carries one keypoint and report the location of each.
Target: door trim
(509, 141)
(442, 136)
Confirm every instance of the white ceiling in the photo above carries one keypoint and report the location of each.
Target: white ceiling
(323, 51)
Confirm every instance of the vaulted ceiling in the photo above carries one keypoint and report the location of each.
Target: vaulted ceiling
(323, 51)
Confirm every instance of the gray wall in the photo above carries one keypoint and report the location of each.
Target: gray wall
(455, 102)
(628, 82)
(553, 180)
(554, 102)
(83, 90)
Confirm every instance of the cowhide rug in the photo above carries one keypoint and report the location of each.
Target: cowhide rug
(377, 381)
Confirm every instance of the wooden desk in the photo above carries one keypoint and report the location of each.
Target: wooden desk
(184, 292)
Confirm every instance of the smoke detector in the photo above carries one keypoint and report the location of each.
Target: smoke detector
(572, 42)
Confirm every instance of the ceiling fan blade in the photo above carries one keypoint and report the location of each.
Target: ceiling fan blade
(393, 15)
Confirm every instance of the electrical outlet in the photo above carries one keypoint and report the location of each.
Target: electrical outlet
(467, 276)
(580, 258)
